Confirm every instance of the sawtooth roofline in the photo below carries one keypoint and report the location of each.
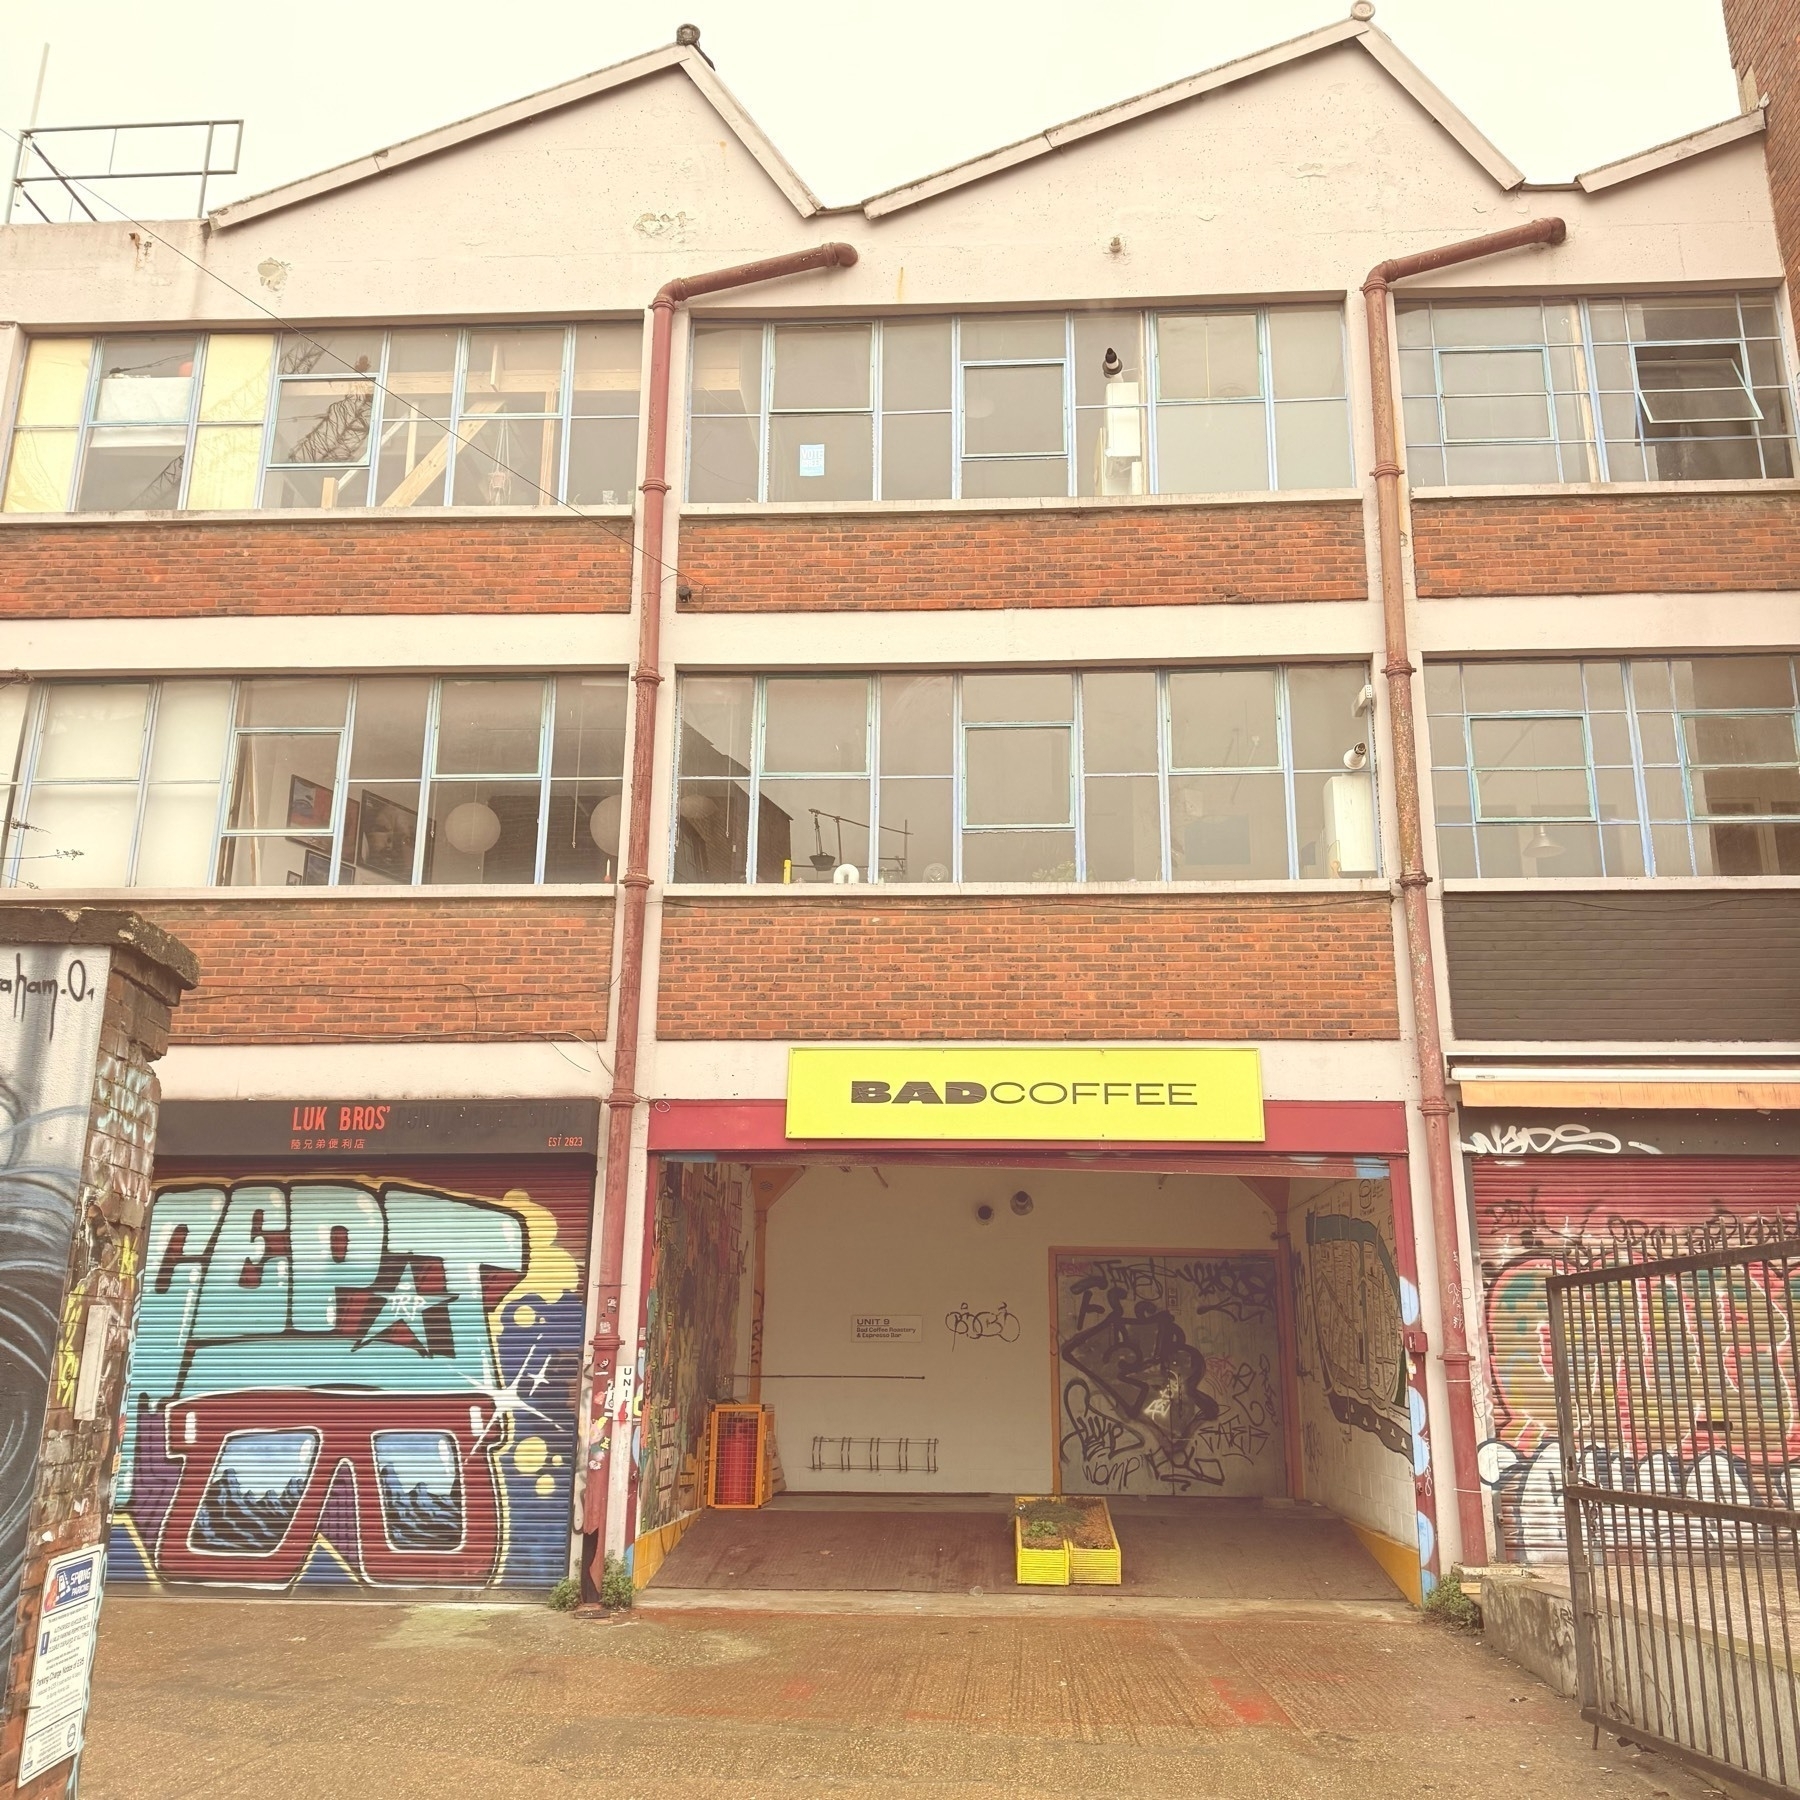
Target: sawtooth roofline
(689, 61)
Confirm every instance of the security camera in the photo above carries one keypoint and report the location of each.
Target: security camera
(1022, 1203)
(1365, 700)
(1356, 757)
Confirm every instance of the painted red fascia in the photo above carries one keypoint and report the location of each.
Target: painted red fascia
(1291, 1128)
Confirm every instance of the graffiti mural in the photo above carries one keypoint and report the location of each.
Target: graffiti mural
(352, 1381)
(51, 1001)
(1168, 1373)
(696, 1281)
(1533, 1225)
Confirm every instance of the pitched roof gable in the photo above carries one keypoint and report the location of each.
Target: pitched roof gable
(1377, 44)
(689, 61)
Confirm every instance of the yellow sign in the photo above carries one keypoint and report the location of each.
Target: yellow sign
(1179, 1094)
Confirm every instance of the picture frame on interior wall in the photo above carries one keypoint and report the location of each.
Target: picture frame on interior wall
(309, 805)
(386, 835)
(317, 870)
(293, 878)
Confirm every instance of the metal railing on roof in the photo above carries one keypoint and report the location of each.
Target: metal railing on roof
(62, 174)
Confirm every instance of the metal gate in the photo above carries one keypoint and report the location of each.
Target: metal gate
(1680, 1437)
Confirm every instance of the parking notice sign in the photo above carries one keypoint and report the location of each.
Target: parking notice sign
(67, 1627)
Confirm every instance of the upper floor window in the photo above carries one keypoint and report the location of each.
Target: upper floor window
(1671, 388)
(304, 781)
(1218, 774)
(993, 407)
(1688, 766)
(500, 416)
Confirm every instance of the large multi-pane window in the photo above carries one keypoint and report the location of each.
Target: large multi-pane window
(1685, 387)
(1655, 766)
(1203, 774)
(997, 407)
(310, 781)
(494, 416)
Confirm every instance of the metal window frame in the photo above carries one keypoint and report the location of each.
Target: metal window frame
(1285, 766)
(1690, 766)
(1265, 377)
(772, 412)
(1528, 716)
(235, 735)
(461, 419)
(1740, 359)
(959, 369)
(91, 399)
(431, 777)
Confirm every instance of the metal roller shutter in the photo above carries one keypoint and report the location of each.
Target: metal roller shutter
(1528, 1213)
(358, 1378)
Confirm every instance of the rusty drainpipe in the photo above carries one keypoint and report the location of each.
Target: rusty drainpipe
(1434, 1100)
(646, 678)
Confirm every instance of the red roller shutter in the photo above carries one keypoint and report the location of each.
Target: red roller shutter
(364, 1377)
(1528, 1213)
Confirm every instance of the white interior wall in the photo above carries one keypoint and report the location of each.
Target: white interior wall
(906, 1243)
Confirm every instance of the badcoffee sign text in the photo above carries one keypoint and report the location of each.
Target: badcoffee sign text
(1156, 1095)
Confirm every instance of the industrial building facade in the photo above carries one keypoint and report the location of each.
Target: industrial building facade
(1073, 862)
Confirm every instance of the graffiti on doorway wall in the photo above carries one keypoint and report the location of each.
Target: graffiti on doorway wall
(1523, 1240)
(692, 1350)
(1167, 1373)
(1352, 1300)
(350, 1381)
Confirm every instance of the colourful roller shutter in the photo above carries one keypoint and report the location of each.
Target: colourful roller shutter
(363, 1377)
(1528, 1214)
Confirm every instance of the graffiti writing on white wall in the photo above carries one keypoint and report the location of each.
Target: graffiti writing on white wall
(358, 1381)
(1168, 1372)
(1551, 1140)
(50, 1010)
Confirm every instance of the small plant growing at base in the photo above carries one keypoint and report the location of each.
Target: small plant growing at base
(565, 1596)
(1044, 1523)
(1448, 1604)
(616, 1589)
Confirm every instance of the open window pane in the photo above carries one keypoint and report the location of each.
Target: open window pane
(1013, 411)
(1016, 775)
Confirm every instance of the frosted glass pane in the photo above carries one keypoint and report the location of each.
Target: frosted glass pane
(1306, 346)
(175, 846)
(80, 836)
(56, 377)
(1207, 356)
(1211, 449)
(37, 480)
(92, 731)
(235, 386)
(193, 720)
(226, 461)
(1312, 444)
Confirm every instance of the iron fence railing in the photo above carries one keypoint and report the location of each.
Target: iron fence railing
(61, 171)
(1676, 1401)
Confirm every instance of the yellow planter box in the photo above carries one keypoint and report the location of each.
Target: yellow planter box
(1097, 1568)
(1037, 1567)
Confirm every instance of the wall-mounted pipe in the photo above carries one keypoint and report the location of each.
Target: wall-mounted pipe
(1434, 1099)
(646, 678)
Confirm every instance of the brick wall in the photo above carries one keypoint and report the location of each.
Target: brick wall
(1620, 543)
(1121, 556)
(1764, 36)
(457, 970)
(1054, 968)
(168, 569)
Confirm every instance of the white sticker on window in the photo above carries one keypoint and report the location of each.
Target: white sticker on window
(812, 459)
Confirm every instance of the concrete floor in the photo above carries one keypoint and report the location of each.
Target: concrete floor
(1171, 1548)
(203, 1699)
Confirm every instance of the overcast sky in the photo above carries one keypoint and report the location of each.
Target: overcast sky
(858, 94)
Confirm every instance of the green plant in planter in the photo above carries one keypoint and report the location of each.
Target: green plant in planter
(1043, 1524)
(565, 1596)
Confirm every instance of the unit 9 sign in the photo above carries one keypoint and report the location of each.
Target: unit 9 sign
(1178, 1094)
